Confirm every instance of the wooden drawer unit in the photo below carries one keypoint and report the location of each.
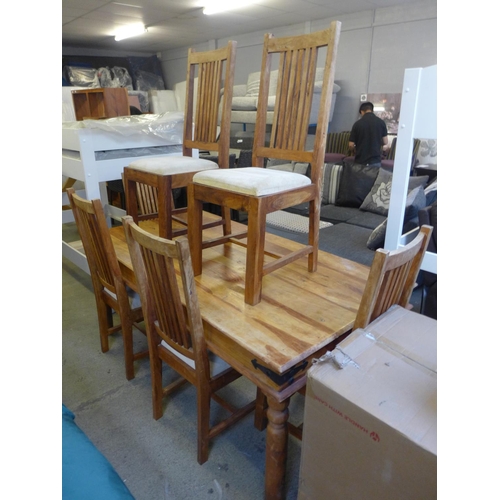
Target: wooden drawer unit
(100, 103)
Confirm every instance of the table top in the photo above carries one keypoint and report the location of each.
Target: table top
(300, 312)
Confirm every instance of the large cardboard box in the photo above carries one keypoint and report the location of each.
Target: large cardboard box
(370, 420)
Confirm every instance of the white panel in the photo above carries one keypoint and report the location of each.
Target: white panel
(417, 119)
(426, 120)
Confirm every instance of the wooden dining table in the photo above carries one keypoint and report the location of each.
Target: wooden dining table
(274, 342)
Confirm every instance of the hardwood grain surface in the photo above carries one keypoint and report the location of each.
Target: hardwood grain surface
(300, 312)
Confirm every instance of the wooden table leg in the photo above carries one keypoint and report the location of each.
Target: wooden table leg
(276, 448)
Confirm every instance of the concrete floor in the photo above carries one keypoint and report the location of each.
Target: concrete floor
(156, 459)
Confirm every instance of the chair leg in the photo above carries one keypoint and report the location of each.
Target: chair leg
(314, 212)
(165, 206)
(255, 254)
(128, 347)
(156, 382)
(105, 320)
(203, 397)
(195, 229)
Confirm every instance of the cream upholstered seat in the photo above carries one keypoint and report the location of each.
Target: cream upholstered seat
(258, 190)
(253, 181)
(149, 182)
(171, 165)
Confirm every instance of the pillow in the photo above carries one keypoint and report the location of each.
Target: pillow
(253, 84)
(356, 182)
(377, 200)
(431, 193)
(415, 201)
(377, 238)
(331, 180)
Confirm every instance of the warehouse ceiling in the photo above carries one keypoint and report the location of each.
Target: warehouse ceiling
(178, 23)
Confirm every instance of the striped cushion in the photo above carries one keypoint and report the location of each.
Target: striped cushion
(331, 181)
(337, 142)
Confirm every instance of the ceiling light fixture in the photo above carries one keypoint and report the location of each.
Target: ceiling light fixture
(129, 31)
(215, 7)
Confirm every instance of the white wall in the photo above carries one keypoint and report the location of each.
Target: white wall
(375, 48)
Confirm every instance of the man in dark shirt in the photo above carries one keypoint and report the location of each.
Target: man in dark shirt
(368, 135)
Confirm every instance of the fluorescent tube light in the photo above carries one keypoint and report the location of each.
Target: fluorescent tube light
(129, 31)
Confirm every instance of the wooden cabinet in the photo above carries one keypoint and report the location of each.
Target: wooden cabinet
(100, 103)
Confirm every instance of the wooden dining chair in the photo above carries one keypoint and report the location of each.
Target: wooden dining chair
(175, 330)
(112, 292)
(392, 278)
(149, 182)
(258, 190)
(391, 281)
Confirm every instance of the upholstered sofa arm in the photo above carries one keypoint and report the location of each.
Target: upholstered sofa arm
(239, 90)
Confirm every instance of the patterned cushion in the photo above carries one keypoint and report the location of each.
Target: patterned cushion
(253, 181)
(427, 152)
(377, 200)
(377, 238)
(415, 201)
(331, 181)
(166, 165)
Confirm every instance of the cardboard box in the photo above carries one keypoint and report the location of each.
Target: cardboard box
(370, 420)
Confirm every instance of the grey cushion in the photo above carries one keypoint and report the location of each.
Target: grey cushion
(366, 219)
(356, 182)
(335, 214)
(377, 200)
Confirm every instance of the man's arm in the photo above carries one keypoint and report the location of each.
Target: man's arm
(385, 143)
(352, 146)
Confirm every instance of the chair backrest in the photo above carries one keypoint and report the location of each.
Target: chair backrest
(155, 260)
(338, 142)
(392, 278)
(298, 60)
(96, 240)
(201, 124)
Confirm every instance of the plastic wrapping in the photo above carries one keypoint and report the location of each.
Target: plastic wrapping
(148, 81)
(168, 126)
(143, 99)
(82, 77)
(105, 78)
(121, 78)
(138, 152)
